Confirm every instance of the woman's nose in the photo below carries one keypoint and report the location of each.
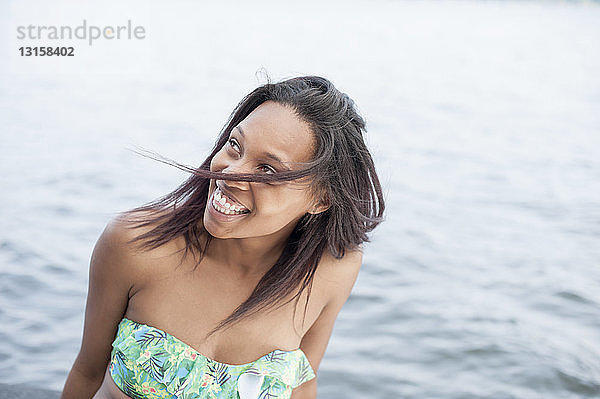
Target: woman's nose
(235, 169)
(242, 185)
(233, 184)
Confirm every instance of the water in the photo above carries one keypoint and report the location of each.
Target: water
(484, 121)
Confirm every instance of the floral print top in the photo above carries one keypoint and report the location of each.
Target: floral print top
(147, 362)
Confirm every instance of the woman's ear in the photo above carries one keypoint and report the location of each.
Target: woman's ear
(322, 206)
(319, 209)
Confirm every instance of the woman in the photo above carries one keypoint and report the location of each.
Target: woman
(277, 214)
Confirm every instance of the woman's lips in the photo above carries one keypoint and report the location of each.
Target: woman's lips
(219, 215)
(229, 198)
(227, 202)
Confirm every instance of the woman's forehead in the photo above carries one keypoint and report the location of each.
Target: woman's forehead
(274, 128)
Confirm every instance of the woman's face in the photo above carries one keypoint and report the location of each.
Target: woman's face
(271, 131)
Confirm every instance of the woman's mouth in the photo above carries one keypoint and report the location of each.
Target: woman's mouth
(226, 206)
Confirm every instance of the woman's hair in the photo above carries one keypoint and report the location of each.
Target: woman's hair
(341, 174)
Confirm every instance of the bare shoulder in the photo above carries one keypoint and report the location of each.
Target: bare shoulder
(338, 276)
(115, 254)
(114, 272)
(335, 279)
(123, 234)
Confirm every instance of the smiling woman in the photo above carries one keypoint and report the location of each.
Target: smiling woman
(277, 213)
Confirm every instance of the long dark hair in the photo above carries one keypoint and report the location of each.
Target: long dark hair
(341, 173)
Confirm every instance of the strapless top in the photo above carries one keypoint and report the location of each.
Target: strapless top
(147, 362)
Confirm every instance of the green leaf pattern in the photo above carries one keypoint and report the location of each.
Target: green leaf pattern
(147, 362)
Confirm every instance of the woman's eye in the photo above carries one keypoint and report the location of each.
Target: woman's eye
(268, 168)
(232, 141)
(264, 167)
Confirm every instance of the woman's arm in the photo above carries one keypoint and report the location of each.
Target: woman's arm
(308, 390)
(111, 277)
(340, 276)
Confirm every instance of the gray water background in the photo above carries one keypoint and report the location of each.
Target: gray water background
(484, 122)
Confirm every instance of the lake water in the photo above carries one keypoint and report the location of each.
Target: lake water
(484, 122)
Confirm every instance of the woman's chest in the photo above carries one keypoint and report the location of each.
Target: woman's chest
(188, 305)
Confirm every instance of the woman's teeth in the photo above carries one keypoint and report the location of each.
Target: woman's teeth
(223, 204)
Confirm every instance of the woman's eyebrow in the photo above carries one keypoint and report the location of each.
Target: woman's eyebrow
(267, 154)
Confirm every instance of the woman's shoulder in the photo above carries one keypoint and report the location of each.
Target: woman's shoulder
(124, 231)
(338, 276)
(120, 235)
(127, 227)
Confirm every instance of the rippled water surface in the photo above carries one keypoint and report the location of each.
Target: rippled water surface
(484, 122)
